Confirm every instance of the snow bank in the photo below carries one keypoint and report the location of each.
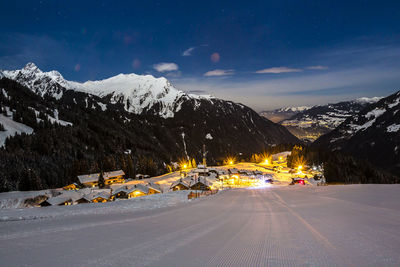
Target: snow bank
(115, 207)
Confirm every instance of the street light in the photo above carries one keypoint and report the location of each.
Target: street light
(300, 167)
(266, 161)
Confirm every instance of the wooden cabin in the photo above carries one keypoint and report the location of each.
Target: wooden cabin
(73, 186)
(91, 180)
(57, 201)
(100, 198)
(180, 185)
(121, 192)
(137, 191)
(82, 200)
(200, 183)
(154, 188)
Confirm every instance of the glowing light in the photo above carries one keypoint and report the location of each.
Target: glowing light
(300, 167)
(280, 158)
(185, 166)
(266, 161)
(230, 162)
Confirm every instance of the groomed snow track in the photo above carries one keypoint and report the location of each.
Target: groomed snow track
(288, 226)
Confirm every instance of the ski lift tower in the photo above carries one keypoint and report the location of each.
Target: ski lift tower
(204, 160)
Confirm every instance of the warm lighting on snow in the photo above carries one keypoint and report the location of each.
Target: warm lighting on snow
(300, 167)
(280, 158)
(229, 161)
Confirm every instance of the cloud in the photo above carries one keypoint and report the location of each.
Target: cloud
(319, 67)
(311, 88)
(163, 67)
(188, 52)
(276, 70)
(215, 57)
(219, 72)
(199, 91)
(174, 74)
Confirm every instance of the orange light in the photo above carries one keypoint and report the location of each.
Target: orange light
(266, 161)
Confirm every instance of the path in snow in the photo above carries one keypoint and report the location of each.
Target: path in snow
(355, 225)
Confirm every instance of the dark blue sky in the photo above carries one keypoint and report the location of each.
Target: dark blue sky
(265, 54)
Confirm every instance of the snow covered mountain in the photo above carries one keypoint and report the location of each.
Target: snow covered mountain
(373, 133)
(138, 93)
(308, 123)
(281, 114)
(70, 126)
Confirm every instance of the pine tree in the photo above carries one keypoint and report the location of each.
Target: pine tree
(2, 127)
(101, 181)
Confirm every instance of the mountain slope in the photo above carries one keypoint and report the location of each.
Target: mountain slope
(373, 134)
(281, 114)
(308, 123)
(138, 93)
(75, 132)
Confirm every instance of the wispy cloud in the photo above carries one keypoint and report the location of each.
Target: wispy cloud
(311, 88)
(188, 52)
(218, 72)
(164, 67)
(276, 70)
(318, 67)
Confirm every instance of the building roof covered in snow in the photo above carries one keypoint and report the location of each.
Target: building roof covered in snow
(94, 177)
(184, 182)
(139, 187)
(154, 186)
(201, 179)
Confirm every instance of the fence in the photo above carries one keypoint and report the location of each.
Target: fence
(201, 194)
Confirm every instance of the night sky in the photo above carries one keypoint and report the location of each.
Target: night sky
(265, 54)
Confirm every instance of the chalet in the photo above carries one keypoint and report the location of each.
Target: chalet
(222, 174)
(154, 188)
(201, 183)
(98, 197)
(57, 201)
(201, 170)
(121, 192)
(137, 191)
(91, 180)
(82, 200)
(181, 184)
(73, 186)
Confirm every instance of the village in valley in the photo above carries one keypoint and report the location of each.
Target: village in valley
(197, 180)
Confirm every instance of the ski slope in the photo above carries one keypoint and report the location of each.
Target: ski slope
(354, 225)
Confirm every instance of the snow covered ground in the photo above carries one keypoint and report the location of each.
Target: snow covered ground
(352, 225)
(12, 128)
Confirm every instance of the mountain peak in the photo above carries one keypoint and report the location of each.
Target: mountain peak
(31, 66)
(139, 93)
